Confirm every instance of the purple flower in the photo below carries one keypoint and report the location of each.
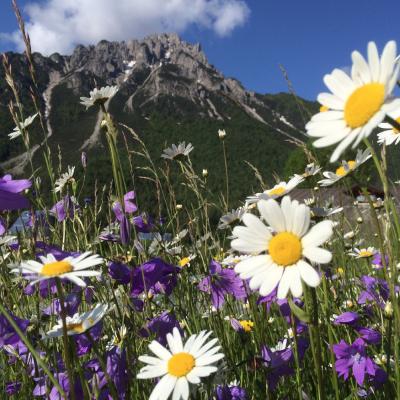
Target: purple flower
(10, 199)
(278, 364)
(13, 388)
(353, 356)
(377, 261)
(143, 223)
(230, 392)
(129, 206)
(370, 335)
(64, 208)
(121, 273)
(8, 336)
(154, 276)
(71, 304)
(83, 344)
(221, 282)
(160, 326)
(347, 318)
(125, 230)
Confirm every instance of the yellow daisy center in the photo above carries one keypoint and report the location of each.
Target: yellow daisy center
(285, 248)
(181, 364)
(366, 253)
(341, 171)
(278, 191)
(246, 325)
(363, 104)
(56, 268)
(78, 327)
(323, 109)
(184, 261)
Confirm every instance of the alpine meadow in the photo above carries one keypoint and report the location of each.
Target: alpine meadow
(166, 233)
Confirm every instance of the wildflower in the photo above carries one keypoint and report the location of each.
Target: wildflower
(376, 291)
(388, 309)
(154, 276)
(175, 151)
(99, 96)
(79, 323)
(221, 282)
(8, 336)
(64, 179)
(363, 253)
(64, 208)
(181, 365)
(230, 392)
(242, 325)
(323, 212)
(17, 131)
(292, 241)
(347, 318)
(10, 189)
(345, 168)
(390, 134)
(71, 268)
(279, 190)
(179, 207)
(160, 326)
(311, 170)
(129, 206)
(228, 219)
(205, 172)
(185, 261)
(358, 103)
(232, 260)
(353, 356)
(221, 133)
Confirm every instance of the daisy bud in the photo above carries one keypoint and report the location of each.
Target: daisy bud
(388, 309)
(360, 220)
(221, 133)
(205, 172)
(179, 206)
(103, 123)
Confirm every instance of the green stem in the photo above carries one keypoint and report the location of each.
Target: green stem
(296, 359)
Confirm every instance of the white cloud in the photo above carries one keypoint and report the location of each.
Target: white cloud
(59, 25)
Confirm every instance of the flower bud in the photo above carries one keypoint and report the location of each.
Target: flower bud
(221, 133)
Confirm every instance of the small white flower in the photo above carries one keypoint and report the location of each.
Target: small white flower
(311, 170)
(390, 135)
(205, 172)
(71, 268)
(279, 190)
(17, 131)
(345, 168)
(221, 133)
(64, 179)
(229, 218)
(283, 262)
(363, 253)
(79, 323)
(232, 260)
(175, 151)
(99, 96)
(180, 365)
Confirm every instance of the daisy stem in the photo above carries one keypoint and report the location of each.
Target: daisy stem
(32, 350)
(67, 358)
(226, 176)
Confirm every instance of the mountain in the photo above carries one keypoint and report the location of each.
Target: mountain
(168, 92)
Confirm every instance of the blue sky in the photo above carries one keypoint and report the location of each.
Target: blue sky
(309, 38)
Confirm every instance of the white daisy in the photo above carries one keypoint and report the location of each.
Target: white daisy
(345, 168)
(99, 96)
(17, 131)
(358, 103)
(279, 190)
(71, 268)
(180, 365)
(78, 324)
(232, 260)
(64, 179)
(285, 249)
(176, 151)
(390, 134)
(229, 218)
(363, 253)
(323, 212)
